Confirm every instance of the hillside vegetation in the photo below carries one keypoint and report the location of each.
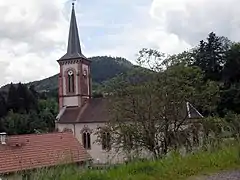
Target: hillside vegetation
(103, 68)
(206, 77)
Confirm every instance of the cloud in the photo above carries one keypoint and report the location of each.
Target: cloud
(33, 33)
(192, 20)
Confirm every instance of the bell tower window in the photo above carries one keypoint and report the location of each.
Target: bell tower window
(71, 84)
(85, 73)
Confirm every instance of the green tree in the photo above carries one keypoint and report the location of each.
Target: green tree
(185, 58)
(211, 56)
(12, 99)
(37, 123)
(3, 106)
(48, 110)
(230, 99)
(33, 91)
(152, 112)
(151, 58)
(230, 90)
(22, 101)
(231, 71)
(17, 123)
(26, 99)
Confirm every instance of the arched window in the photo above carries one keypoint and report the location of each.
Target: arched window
(86, 139)
(106, 138)
(71, 83)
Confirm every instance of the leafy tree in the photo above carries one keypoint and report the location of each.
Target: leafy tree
(33, 91)
(231, 71)
(232, 125)
(12, 99)
(152, 59)
(230, 99)
(27, 114)
(211, 56)
(26, 100)
(185, 58)
(152, 113)
(230, 96)
(3, 106)
(22, 101)
(3, 112)
(48, 110)
(37, 123)
(17, 123)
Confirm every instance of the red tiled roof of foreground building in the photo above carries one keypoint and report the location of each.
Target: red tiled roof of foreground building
(25, 152)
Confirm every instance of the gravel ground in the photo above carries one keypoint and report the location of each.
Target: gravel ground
(230, 175)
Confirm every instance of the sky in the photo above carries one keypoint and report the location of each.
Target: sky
(33, 33)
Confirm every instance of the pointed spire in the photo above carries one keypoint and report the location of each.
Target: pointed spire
(74, 47)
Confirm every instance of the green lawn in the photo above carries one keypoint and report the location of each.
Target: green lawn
(173, 167)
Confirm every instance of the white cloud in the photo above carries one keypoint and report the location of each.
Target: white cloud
(192, 20)
(33, 33)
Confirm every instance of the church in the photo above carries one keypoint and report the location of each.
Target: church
(78, 111)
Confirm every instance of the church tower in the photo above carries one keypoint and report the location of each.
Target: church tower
(74, 77)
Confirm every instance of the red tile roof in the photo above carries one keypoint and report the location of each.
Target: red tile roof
(25, 152)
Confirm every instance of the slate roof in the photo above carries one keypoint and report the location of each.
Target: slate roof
(74, 47)
(192, 112)
(187, 111)
(26, 152)
(96, 111)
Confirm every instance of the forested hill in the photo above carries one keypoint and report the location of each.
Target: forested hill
(103, 68)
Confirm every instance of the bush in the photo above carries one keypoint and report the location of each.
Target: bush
(172, 167)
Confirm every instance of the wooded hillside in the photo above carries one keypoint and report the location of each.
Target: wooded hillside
(210, 71)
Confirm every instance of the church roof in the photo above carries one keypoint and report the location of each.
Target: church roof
(74, 47)
(96, 111)
(26, 152)
(192, 112)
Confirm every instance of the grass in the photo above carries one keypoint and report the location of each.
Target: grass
(173, 167)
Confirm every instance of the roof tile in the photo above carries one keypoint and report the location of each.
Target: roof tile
(40, 150)
(95, 110)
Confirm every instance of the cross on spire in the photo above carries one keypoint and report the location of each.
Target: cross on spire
(73, 2)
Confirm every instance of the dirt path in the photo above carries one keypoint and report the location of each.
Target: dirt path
(230, 175)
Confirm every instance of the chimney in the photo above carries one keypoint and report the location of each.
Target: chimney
(3, 136)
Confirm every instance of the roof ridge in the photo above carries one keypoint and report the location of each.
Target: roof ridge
(50, 133)
(82, 109)
(61, 112)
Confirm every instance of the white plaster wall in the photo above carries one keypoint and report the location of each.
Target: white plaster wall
(66, 67)
(61, 127)
(96, 149)
(70, 101)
